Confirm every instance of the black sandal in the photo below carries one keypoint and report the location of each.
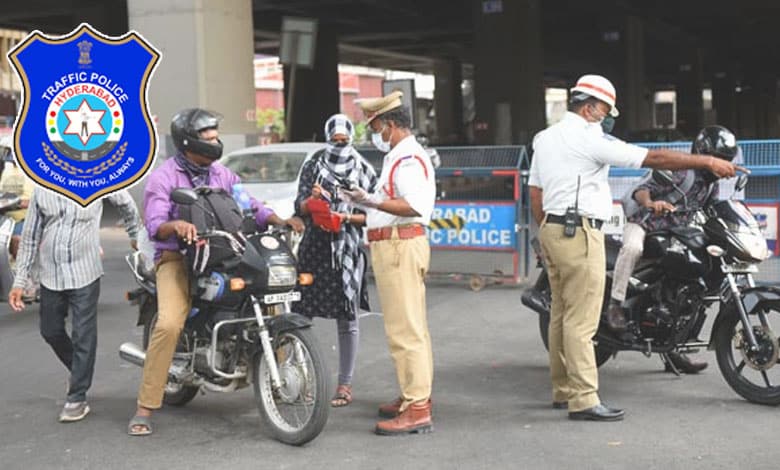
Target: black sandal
(343, 396)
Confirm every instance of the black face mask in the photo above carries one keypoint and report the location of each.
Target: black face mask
(607, 124)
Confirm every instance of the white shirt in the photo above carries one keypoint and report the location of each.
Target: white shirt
(413, 180)
(574, 147)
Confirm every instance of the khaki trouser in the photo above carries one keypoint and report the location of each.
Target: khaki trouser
(400, 267)
(173, 306)
(576, 269)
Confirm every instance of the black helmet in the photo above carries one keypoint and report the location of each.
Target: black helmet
(716, 141)
(186, 127)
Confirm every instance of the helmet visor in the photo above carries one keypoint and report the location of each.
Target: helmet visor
(203, 120)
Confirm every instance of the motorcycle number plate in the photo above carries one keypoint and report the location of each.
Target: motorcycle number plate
(283, 297)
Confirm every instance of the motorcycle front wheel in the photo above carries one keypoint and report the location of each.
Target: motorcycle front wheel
(754, 375)
(297, 412)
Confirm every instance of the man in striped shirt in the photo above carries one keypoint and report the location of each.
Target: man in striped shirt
(65, 237)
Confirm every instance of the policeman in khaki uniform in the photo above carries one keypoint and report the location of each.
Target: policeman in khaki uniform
(397, 214)
(575, 258)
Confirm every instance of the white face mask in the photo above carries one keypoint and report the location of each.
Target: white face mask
(381, 144)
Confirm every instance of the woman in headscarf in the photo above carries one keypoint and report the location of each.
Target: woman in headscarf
(335, 258)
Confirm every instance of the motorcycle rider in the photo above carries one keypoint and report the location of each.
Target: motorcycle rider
(196, 137)
(656, 212)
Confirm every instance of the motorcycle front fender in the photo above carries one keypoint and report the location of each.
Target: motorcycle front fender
(755, 299)
(286, 322)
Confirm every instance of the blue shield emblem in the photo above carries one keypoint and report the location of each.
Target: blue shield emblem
(84, 129)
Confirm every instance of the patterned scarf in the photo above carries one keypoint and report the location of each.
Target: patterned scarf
(342, 166)
(199, 175)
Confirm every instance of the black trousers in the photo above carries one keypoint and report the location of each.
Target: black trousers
(77, 352)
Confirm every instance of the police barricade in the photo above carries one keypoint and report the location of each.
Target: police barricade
(762, 194)
(475, 229)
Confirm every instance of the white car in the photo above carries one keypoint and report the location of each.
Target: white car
(270, 172)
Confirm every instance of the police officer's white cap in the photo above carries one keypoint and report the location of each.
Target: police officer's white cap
(600, 88)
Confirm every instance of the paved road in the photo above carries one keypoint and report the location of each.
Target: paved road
(491, 403)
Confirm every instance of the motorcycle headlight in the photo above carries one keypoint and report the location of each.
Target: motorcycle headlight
(282, 276)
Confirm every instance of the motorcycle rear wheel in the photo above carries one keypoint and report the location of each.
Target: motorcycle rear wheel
(175, 394)
(732, 362)
(297, 412)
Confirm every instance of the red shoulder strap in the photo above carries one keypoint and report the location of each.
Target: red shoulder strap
(395, 166)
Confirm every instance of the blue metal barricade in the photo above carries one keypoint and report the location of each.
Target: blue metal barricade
(475, 232)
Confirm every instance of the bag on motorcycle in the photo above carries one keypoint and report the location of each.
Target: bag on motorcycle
(215, 210)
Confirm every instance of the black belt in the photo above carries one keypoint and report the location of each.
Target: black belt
(559, 219)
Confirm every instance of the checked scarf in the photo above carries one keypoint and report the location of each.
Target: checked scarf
(199, 175)
(342, 166)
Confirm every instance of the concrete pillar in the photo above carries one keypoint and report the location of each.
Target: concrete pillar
(508, 71)
(766, 106)
(108, 17)
(316, 89)
(448, 102)
(207, 61)
(690, 107)
(724, 99)
(636, 103)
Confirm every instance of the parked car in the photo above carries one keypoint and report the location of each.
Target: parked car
(270, 172)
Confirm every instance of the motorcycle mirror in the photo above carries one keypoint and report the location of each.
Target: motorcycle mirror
(741, 182)
(663, 177)
(184, 196)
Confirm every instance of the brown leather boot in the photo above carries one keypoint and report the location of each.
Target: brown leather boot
(616, 317)
(390, 410)
(416, 418)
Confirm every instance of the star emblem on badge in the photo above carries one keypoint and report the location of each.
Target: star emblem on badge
(84, 122)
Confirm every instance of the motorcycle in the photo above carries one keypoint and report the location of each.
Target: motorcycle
(239, 332)
(8, 202)
(684, 271)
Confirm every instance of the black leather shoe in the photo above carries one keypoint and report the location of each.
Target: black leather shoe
(599, 412)
(685, 364)
(560, 405)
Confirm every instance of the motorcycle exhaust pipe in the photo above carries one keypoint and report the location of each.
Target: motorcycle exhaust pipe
(533, 299)
(132, 354)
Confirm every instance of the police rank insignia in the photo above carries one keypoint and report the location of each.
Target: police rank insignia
(84, 129)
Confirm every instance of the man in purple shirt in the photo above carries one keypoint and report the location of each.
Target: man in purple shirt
(195, 134)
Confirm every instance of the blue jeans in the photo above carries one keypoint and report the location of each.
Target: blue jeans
(76, 353)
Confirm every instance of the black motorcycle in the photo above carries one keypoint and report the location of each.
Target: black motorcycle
(683, 272)
(240, 332)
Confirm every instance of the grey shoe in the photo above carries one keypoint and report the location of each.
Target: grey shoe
(74, 411)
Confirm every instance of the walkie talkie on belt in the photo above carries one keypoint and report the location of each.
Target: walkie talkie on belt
(572, 214)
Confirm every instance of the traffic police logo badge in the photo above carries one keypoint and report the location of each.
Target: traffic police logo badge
(84, 129)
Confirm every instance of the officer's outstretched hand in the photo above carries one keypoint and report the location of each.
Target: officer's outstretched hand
(724, 169)
(357, 196)
(15, 299)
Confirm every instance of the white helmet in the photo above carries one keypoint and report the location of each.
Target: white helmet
(599, 88)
